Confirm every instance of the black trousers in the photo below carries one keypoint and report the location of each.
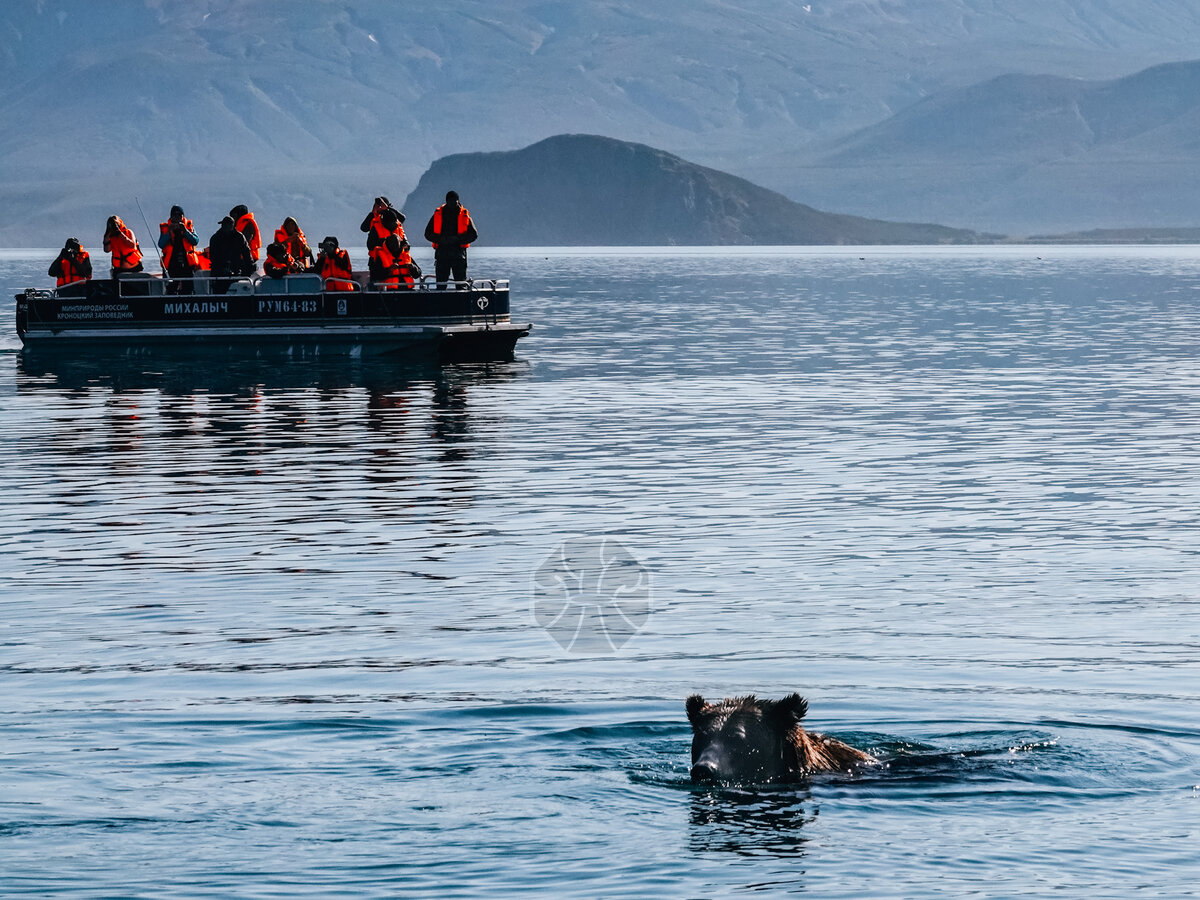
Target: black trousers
(180, 287)
(444, 268)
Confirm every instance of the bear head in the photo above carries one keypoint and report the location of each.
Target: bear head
(744, 739)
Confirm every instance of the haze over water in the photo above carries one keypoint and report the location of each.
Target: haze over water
(269, 628)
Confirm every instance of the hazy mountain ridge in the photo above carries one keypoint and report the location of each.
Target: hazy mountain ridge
(1018, 117)
(1032, 152)
(318, 104)
(592, 190)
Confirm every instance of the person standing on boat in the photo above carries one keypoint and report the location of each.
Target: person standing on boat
(302, 255)
(377, 228)
(177, 240)
(451, 232)
(387, 223)
(73, 264)
(245, 223)
(385, 226)
(120, 242)
(229, 255)
(333, 265)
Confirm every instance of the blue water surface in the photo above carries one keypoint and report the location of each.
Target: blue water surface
(276, 628)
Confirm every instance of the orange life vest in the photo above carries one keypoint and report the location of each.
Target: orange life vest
(278, 267)
(406, 273)
(70, 269)
(380, 232)
(336, 274)
(464, 221)
(254, 240)
(396, 269)
(189, 249)
(126, 253)
(297, 253)
(204, 260)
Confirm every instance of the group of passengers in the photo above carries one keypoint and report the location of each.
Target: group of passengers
(235, 249)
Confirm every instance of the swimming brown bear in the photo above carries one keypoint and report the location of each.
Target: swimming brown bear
(747, 740)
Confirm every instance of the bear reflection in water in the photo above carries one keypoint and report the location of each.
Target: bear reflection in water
(745, 740)
(751, 822)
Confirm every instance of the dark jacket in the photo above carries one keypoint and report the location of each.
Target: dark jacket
(181, 242)
(376, 210)
(80, 268)
(450, 244)
(229, 253)
(278, 261)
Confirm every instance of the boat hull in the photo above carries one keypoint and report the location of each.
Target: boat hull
(293, 316)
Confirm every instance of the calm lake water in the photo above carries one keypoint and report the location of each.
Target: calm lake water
(270, 629)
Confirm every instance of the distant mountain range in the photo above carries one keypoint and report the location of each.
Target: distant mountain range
(1032, 152)
(312, 107)
(591, 190)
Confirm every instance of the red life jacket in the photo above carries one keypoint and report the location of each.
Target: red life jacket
(404, 263)
(126, 253)
(204, 260)
(396, 270)
(464, 221)
(379, 231)
(297, 246)
(336, 274)
(254, 240)
(70, 269)
(273, 264)
(189, 249)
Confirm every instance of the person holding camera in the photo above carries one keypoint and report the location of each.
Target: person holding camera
(73, 264)
(177, 240)
(301, 253)
(124, 247)
(333, 264)
(378, 226)
(279, 262)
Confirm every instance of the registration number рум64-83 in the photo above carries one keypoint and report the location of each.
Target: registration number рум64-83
(288, 306)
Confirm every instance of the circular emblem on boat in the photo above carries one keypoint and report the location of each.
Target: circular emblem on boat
(341, 306)
(482, 302)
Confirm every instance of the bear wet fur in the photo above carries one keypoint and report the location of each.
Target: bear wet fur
(748, 740)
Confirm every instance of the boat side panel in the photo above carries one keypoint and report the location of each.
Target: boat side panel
(466, 324)
(101, 307)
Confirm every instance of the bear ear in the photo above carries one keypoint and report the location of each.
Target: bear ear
(695, 704)
(791, 709)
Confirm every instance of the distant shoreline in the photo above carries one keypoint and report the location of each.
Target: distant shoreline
(1117, 236)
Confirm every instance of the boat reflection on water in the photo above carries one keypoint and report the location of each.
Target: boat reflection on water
(298, 410)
